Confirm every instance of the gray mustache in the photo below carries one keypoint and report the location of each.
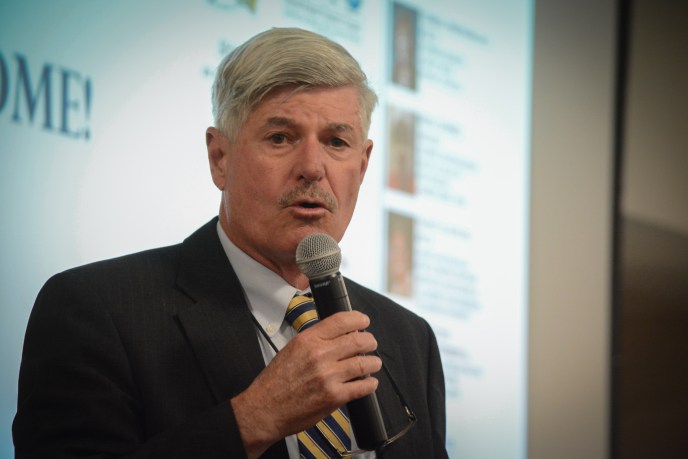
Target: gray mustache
(305, 192)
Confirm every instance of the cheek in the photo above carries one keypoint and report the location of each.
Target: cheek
(347, 189)
(255, 184)
(354, 179)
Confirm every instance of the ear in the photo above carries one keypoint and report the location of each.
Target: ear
(218, 146)
(368, 149)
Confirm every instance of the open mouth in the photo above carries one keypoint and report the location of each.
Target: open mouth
(309, 205)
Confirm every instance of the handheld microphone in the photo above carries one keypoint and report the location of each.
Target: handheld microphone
(319, 257)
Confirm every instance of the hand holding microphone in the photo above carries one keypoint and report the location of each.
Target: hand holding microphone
(270, 402)
(319, 257)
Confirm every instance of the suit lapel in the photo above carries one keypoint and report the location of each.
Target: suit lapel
(218, 323)
(390, 405)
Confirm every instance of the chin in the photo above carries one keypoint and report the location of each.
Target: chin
(297, 235)
(301, 233)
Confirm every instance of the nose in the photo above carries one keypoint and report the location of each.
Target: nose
(311, 160)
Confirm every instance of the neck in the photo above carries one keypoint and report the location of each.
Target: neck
(300, 281)
(287, 269)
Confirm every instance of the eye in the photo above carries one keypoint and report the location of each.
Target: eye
(338, 143)
(278, 138)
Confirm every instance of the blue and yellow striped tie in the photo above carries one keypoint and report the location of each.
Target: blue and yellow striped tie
(301, 314)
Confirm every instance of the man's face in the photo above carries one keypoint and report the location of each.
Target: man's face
(295, 168)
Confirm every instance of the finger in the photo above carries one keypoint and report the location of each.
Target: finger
(351, 344)
(333, 394)
(359, 366)
(358, 388)
(309, 355)
(341, 323)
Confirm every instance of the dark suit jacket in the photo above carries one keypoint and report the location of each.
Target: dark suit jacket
(139, 356)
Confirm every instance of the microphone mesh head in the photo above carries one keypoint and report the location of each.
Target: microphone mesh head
(318, 255)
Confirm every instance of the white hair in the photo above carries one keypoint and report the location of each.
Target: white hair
(283, 57)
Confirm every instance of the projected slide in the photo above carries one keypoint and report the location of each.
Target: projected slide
(103, 110)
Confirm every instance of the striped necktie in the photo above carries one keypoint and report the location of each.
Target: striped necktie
(301, 314)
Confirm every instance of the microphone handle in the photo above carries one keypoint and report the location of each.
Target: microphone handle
(330, 296)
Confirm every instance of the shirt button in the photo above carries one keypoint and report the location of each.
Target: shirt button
(270, 328)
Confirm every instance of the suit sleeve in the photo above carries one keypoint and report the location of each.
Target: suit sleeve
(78, 396)
(436, 396)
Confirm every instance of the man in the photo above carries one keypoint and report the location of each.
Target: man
(159, 354)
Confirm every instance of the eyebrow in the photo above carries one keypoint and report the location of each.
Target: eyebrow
(281, 121)
(340, 127)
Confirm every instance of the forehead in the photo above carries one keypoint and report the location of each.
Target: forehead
(289, 107)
